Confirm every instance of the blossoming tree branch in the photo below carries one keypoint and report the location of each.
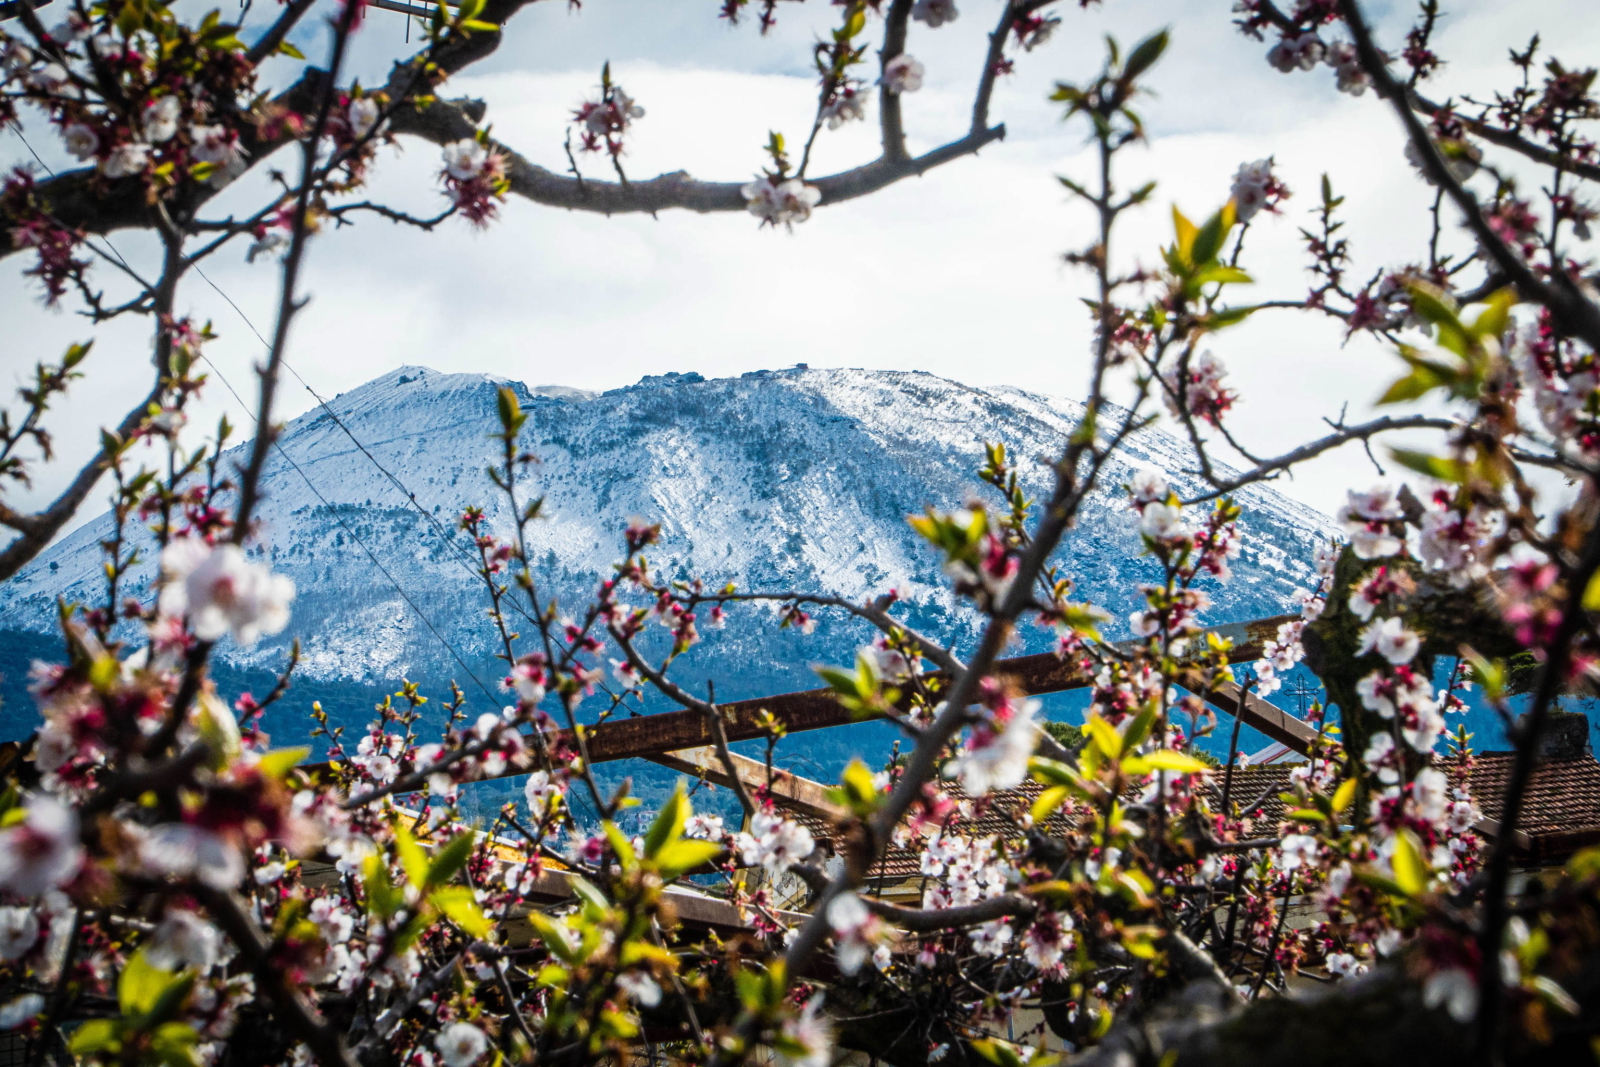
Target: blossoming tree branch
(179, 890)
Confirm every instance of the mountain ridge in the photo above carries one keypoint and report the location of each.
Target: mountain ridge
(795, 478)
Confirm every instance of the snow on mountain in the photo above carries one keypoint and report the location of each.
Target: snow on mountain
(796, 479)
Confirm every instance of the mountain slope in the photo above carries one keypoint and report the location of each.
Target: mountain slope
(797, 479)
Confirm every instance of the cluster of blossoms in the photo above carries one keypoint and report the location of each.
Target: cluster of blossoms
(1198, 390)
(779, 201)
(1304, 51)
(475, 179)
(55, 246)
(1565, 384)
(222, 592)
(1256, 187)
(606, 121)
(848, 104)
(998, 747)
(774, 843)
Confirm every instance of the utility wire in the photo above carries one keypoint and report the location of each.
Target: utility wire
(445, 534)
(297, 469)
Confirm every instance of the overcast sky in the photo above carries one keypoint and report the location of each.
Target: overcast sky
(957, 273)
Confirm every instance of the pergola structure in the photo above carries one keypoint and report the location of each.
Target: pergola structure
(684, 741)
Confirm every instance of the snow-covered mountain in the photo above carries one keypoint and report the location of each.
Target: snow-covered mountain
(796, 479)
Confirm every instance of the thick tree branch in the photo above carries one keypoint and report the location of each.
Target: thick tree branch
(446, 121)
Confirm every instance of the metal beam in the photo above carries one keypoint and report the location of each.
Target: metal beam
(788, 790)
(816, 709)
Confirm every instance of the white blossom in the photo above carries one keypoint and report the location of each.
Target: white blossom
(849, 105)
(81, 141)
(999, 759)
(184, 851)
(362, 114)
(1454, 990)
(183, 939)
(20, 1010)
(464, 159)
(1390, 639)
(774, 842)
(1251, 184)
(781, 202)
(460, 1044)
(1297, 53)
(852, 929)
(991, 938)
(1345, 965)
(935, 12)
(640, 988)
(267, 244)
(1148, 487)
(19, 932)
(902, 74)
(126, 159)
(1298, 850)
(222, 591)
(161, 119)
(42, 850)
(812, 1035)
(541, 794)
(1351, 78)
(1163, 522)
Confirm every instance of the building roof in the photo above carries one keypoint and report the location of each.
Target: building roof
(1560, 813)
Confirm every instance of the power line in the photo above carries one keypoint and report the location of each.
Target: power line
(445, 534)
(357, 539)
(296, 467)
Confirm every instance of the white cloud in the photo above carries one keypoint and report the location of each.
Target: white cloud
(957, 273)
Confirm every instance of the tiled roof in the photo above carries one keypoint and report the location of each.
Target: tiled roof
(1560, 813)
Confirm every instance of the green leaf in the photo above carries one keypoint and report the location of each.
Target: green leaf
(1591, 593)
(173, 1044)
(1103, 736)
(511, 415)
(621, 845)
(1138, 728)
(1208, 241)
(1144, 55)
(590, 894)
(460, 905)
(1047, 803)
(685, 854)
(1495, 317)
(279, 762)
(1410, 872)
(554, 935)
(96, 1035)
(1221, 273)
(1443, 468)
(290, 50)
(668, 824)
(1175, 762)
(1186, 232)
(450, 859)
(413, 860)
(383, 898)
(1344, 795)
(141, 985)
